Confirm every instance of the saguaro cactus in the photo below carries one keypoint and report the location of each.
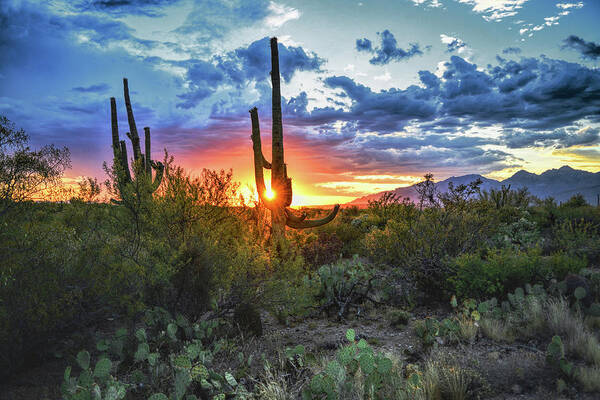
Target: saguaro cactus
(142, 164)
(281, 185)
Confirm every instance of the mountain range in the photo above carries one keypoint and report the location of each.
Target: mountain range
(561, 184)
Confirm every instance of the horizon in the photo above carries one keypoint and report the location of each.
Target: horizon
(372, 100)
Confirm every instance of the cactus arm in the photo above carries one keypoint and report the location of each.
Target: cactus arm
(265, 163)
(258, 160)
(124, 162)
(160, 169)
(133, 136)
(147, 160)
(115, 129)
(294, 217)
(313, 223)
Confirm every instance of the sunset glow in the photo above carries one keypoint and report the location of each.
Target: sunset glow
(269, 194)
(373, 98)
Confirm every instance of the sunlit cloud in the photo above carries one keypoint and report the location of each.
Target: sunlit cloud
(280, 14)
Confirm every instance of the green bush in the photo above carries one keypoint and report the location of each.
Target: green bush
(500, 271)
(421, 239)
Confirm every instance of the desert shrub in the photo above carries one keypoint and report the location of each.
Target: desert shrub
(578, 238)
(422, 237)
(398, 318)
(321, 248)
(519, 235)
(57, 275)
(349, 227)
(497, 272)
(593, 278)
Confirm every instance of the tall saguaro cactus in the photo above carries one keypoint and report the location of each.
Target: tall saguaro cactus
(281, 185)
(142, 164)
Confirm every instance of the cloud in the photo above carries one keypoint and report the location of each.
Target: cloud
(280, 14)
(559, 138)
(511, 50)
(388, 49)
(567, 6)
(152, 8)
(99, 88)
(454, 44)
(536, 96)
(212, 19)
(495, 10)
(587, 49)
(428, 3)
(241, 67)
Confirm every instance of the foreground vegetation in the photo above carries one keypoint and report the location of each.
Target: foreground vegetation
(180, 292)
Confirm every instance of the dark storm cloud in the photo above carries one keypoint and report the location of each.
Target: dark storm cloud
(99, 88)
(587, 49)
(536, 101)
(151, 8)
(213, 18)
(387, 50)
(243, 66)
(560, 138)
(377, 160)
(511, 50)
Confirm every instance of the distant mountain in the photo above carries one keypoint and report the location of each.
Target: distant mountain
(561, 183)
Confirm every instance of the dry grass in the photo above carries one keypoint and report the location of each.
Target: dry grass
(570, 326)
(562, 321)
(444, 378)
(496, 330)
(586, 346)
(589, 378)
(468, 329)
(273, 388)
(535, 317)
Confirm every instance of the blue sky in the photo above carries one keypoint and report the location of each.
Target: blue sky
(376, 93)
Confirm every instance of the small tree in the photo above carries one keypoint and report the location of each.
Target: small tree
(26, 174)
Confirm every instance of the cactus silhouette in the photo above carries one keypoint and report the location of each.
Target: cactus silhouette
(281, 184)
(142, 164)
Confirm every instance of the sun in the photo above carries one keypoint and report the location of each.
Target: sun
(269, 194)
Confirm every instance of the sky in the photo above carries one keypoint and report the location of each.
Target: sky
(375, 93)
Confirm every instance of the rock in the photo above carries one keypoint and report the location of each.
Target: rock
(516, 389)
(494, 355)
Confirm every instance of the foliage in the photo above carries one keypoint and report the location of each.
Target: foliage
(421, 237)
(497, 272)
(27, 174)
(322, 248)
(398, 318)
